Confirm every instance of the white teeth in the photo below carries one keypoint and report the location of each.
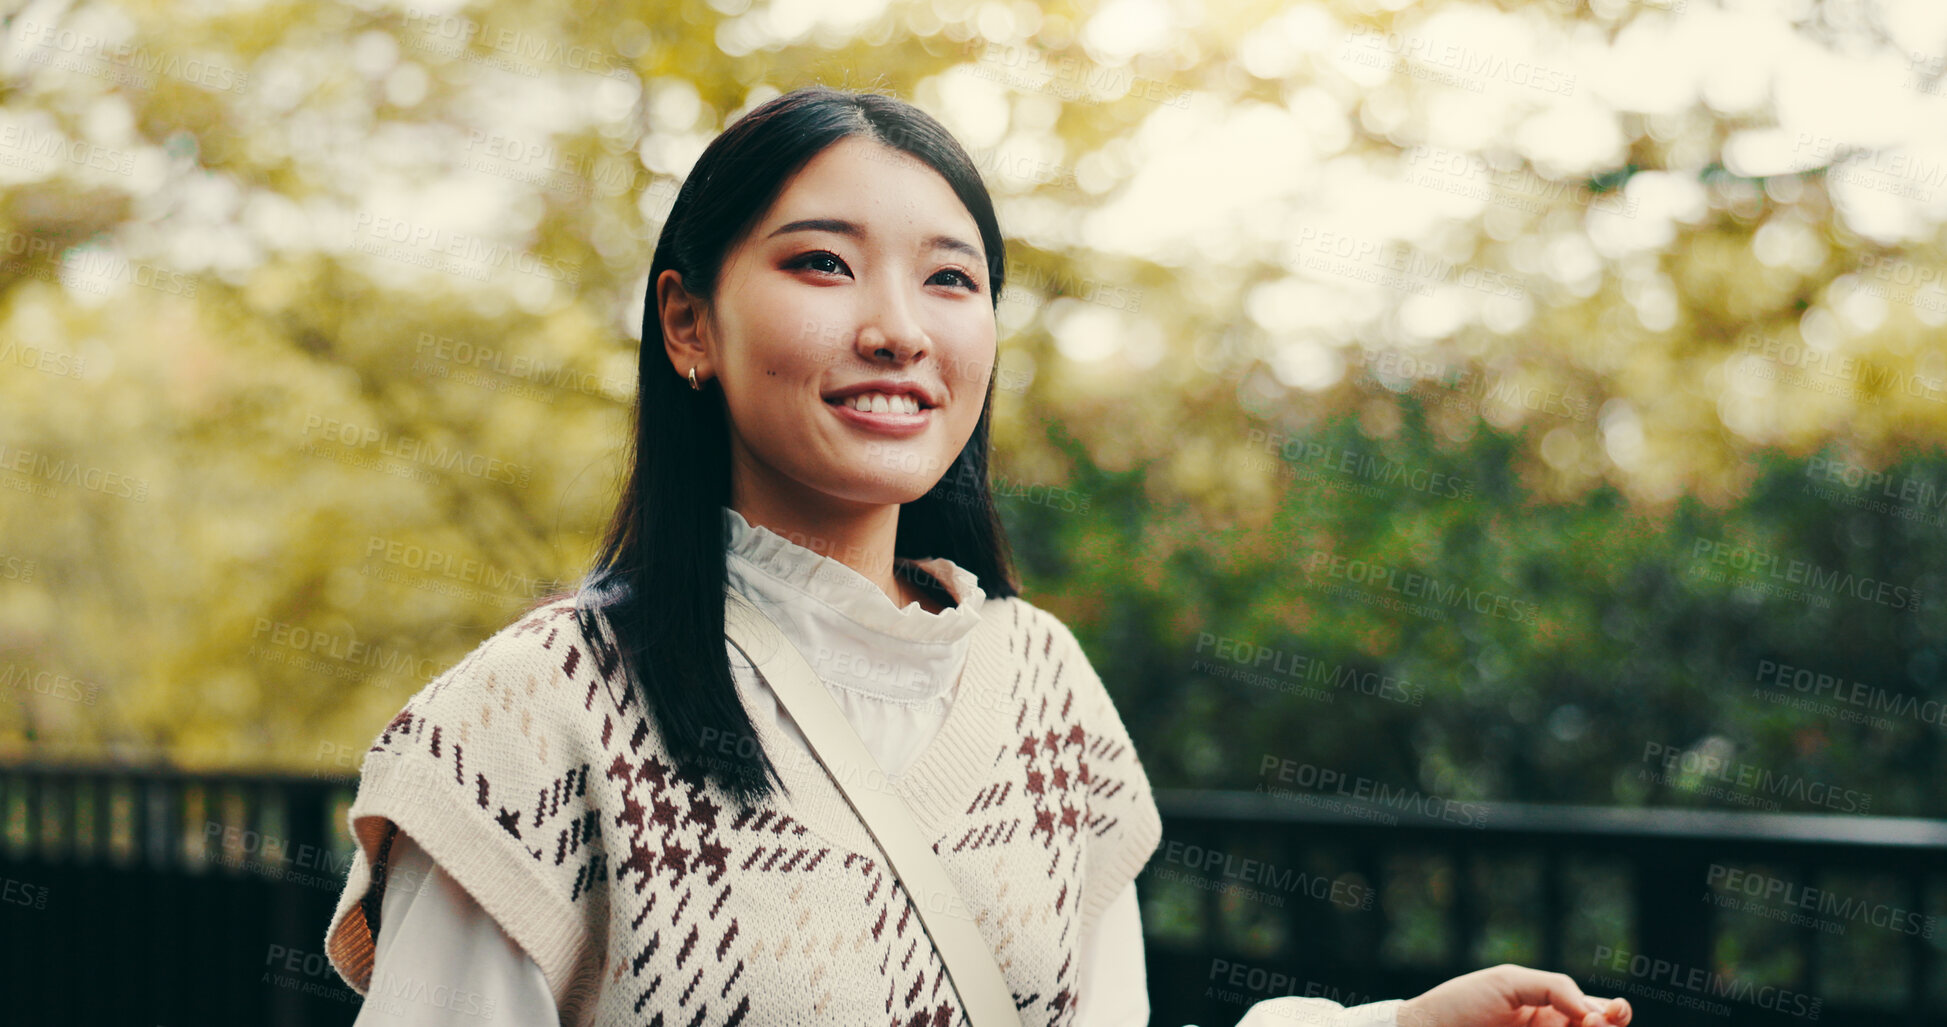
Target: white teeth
(880, 403)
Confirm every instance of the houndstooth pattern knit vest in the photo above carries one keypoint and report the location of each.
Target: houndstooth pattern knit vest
(648, 896)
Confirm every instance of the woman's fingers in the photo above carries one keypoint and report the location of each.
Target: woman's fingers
(1541, 1016)
(1559, 992)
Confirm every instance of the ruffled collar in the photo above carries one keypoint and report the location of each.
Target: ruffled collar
(758, 549)
(843, 624)
(846, 626)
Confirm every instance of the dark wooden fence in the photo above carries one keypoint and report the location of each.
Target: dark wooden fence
(167, 899)
(1699, 917)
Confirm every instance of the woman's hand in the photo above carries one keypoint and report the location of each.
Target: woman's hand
(1511, 996)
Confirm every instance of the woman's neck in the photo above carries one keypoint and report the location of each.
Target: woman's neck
(924, 589)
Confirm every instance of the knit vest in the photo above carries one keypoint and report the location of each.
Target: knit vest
(647, 895)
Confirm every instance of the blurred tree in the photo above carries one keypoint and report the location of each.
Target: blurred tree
(318, 330)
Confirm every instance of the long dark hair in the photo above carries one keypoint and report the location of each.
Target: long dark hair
(660, 577)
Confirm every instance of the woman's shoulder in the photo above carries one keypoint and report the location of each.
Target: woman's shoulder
(1017, 616)
(1049, 655)
(1046, 637)
(549, 637)
(487, 767)
(518, 692)
(552, 624)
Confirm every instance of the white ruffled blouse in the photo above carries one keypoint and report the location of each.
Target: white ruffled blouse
(432, 932)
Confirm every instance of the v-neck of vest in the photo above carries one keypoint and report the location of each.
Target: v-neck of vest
(941, 783)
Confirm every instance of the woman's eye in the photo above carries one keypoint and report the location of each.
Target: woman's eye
(821, 257)
(967, 279)
(828, 262)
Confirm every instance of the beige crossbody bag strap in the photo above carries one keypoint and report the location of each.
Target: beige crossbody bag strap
(971, 968)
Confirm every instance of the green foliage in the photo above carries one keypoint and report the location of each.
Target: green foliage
(317, 341)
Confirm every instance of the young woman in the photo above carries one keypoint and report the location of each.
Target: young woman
(602, 815)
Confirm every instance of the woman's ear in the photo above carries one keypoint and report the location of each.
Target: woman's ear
(686, 326)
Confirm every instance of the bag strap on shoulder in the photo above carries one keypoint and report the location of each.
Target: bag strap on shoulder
(971, 969)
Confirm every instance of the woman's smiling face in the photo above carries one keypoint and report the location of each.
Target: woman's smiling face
(866, 268)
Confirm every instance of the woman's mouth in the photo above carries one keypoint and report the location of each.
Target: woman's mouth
(897, 415)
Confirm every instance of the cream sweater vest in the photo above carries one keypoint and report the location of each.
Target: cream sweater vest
(528, 772)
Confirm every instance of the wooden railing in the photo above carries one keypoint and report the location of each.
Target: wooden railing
(1697, 916)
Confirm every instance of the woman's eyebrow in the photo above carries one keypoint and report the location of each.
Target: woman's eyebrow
(857, 231)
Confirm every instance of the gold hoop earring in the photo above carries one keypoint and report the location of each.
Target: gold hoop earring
(693, 385)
